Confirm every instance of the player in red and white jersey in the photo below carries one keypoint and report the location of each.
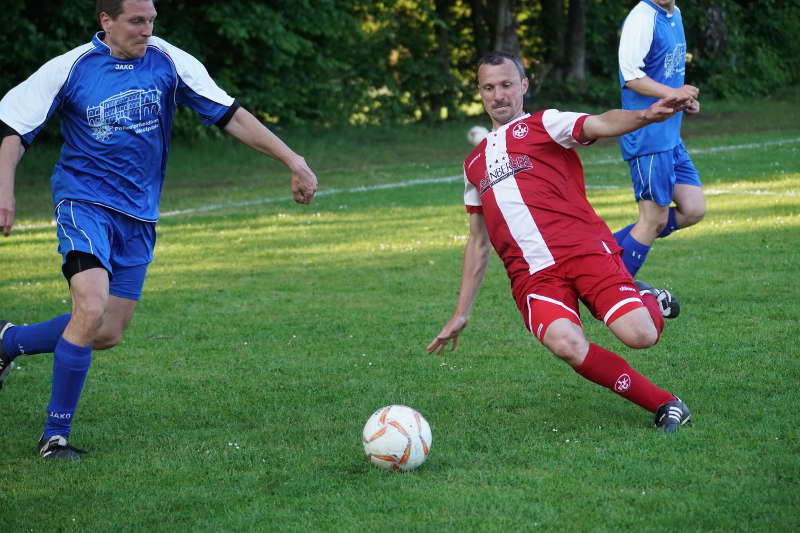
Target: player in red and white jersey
(525, 192)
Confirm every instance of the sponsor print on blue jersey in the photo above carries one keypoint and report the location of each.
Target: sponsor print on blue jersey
(134, 109)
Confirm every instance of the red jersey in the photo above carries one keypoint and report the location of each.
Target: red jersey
(528, 182)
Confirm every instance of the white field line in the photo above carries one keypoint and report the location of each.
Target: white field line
(712, 150)
(447, 179)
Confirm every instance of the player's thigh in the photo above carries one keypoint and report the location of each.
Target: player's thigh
(545, 298)
(604, 286)
(690, 202)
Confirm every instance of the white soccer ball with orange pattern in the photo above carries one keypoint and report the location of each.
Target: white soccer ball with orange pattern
(397, 437)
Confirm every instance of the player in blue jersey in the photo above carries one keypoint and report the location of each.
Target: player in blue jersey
(116, 97)
(652, 64)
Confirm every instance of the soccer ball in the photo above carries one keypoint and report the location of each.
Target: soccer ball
(397, 437)
(476, 134)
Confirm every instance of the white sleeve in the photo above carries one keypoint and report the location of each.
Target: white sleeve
(471, 195)
(635, 41)
(192, 72)
(564, 126)
(26, 107)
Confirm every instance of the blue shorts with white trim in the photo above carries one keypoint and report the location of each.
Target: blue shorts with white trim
(654, 176)
(124, 245)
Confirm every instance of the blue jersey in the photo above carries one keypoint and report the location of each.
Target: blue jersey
(116, 119)
(652, 44)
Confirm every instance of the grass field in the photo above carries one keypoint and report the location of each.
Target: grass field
(269, 332)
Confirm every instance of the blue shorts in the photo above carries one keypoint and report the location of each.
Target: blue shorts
(124, 245)
(654, 176)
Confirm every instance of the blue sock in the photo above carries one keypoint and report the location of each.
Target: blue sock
(672, 224)
(70, 366)
(621, 234)
(634, 254)
(34, 338)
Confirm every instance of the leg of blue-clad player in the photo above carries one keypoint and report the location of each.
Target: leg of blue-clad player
(98, 321)
(71, 360)
(659, 180)
(690, 205)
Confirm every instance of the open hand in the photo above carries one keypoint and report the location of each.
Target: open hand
(450, 332)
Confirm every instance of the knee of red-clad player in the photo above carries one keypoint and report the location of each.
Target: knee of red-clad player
(566, 341)
(640, 335)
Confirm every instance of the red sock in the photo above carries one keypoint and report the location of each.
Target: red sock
(612, 371)
(655, 311)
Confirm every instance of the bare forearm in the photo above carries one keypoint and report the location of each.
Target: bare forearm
(614, 123)
(476, 257)
(647, 86)
(11, 151)
(249, 130)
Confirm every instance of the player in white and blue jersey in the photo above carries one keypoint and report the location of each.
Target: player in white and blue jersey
(116, 97)
(652, 65)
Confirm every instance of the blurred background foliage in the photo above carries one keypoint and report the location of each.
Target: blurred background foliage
(334, 62)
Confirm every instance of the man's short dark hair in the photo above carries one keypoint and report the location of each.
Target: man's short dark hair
(498, 58)
(112, 7)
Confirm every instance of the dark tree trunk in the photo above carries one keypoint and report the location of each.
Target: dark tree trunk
(551, 27)
(506, 39)
(481, 28)
(441, 94)
(576, 40)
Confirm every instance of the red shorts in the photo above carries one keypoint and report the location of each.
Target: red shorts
(600, 281)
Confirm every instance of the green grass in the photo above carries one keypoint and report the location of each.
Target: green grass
(268, 334)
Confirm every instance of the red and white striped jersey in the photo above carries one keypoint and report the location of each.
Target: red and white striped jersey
(527, 180)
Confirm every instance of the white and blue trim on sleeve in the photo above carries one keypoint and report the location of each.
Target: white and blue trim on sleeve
(27, 107)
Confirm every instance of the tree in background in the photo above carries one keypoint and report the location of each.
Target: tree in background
(327, 62)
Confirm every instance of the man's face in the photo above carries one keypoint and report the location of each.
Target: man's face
(501, 90)
(127, 34)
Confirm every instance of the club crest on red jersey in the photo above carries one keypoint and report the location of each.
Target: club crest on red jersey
(520, 131)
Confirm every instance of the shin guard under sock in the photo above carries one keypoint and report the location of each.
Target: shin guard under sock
(70, 367)
(613, 372)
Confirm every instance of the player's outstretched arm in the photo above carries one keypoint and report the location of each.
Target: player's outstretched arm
(647, 86)
(249, 130)
(620, 121)
(476, 257)
(11, 151)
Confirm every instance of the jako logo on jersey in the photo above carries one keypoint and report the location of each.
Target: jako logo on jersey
(123, 67)
(623, 383)
(520, 131)
(472, 161)
(506, 170)
(623, 289)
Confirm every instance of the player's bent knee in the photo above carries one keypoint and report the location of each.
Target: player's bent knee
(641, 337)
(569, 348)
(693, 217)
(104, 342)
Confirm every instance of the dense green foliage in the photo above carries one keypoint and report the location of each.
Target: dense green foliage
(334, 61)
